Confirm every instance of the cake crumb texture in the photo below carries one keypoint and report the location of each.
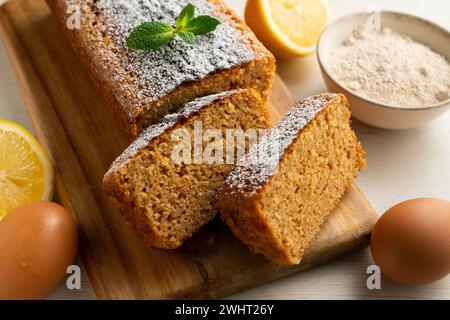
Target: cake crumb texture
(276, 201)
(167, 202)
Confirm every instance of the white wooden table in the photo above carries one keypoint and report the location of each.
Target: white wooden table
(402, 165)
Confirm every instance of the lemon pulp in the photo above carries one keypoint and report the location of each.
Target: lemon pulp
(289, 28)
(26, 173)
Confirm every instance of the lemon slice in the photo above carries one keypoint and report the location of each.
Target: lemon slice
(26, 172)
(288, 28)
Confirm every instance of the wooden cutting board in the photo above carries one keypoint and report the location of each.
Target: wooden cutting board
(78, 130)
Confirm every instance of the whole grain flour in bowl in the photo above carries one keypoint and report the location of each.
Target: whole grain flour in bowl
(390, 68)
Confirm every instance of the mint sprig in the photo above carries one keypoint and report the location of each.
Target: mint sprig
(153, 35)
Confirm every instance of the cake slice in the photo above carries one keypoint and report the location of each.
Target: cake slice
(141, 87)
(168, 194)
(277, 197)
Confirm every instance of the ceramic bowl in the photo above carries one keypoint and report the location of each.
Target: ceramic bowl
(366, 110)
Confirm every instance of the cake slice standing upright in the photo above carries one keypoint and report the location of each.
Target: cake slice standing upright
(166, 183)
(279, 194)
(143, 86)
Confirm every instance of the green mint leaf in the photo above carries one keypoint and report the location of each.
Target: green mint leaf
(150, 36)
(201, 25)
(153, 35)
(185, 16)
(188, 37)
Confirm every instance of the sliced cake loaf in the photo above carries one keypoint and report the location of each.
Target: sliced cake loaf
(278, 196)
(141, 86)
(167, 196)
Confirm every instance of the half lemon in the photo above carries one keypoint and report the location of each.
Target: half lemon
(26, 172)
(288, 28)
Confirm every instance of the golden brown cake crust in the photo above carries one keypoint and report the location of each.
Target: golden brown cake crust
(132, 113)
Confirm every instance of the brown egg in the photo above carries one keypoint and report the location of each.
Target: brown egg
(38, 241)
(411, 241)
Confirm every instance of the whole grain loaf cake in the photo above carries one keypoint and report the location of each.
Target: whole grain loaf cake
(167, 197)
(142, 86)
(280, 193)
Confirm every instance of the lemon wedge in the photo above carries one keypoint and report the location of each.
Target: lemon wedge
(26, 172)
(288, 28)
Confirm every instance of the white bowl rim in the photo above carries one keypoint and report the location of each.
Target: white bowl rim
(437, 28)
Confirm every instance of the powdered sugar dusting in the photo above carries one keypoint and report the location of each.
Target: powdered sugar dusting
(157, 73)
(263, 159)
(166, 123)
